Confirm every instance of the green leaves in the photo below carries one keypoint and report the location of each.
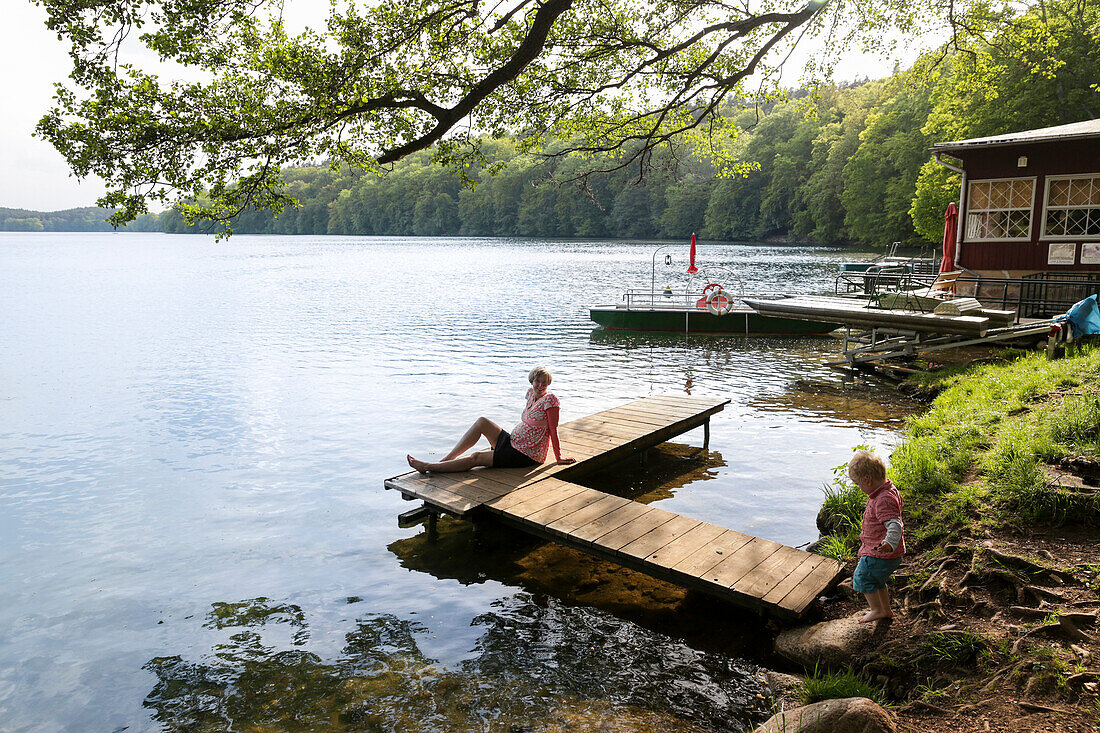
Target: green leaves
(376, 83)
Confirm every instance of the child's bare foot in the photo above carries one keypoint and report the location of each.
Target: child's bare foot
(418, 465)
(875, 616)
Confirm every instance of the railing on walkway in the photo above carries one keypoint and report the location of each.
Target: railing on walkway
(681, 299)
(1040, 295)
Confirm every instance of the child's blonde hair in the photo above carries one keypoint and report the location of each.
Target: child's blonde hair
(539, 371)
(867, 466)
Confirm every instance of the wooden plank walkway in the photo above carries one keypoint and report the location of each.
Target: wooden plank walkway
(745, 570)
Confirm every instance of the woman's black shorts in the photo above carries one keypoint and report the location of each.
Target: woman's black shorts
(506, 456)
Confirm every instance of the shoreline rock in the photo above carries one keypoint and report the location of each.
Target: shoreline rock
(832, 644)
(839, 715)
(844, 715)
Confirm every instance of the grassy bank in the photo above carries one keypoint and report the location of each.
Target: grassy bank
(997, 602)
(1001, 444)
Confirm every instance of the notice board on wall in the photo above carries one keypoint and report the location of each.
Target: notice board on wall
(1062, 253)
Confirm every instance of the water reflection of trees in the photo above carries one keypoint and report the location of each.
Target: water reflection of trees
(538, 666)
(858, 402)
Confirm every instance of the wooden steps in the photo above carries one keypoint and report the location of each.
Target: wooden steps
(745, 570)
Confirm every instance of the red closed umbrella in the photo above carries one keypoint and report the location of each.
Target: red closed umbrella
(692, 269)
(950, 225)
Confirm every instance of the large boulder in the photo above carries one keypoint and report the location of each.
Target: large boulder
(846, 715)
(829, 643)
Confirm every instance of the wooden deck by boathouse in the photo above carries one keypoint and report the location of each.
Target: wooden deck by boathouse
(749, 571)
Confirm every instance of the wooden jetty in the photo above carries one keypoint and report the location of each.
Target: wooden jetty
(749, 571)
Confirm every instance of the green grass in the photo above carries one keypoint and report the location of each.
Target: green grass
(957, 650)
(843, 510)
(833, 685)
(977, 454)
(838, 548)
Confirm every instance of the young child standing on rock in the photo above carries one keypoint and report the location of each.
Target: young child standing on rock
(881, 542)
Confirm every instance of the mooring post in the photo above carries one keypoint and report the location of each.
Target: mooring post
(706, 434)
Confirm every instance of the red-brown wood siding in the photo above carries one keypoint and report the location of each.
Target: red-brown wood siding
(1043, 159)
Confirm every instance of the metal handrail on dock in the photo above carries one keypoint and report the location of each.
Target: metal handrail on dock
(680, 299)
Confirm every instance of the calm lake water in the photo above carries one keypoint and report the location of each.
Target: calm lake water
(194, 533)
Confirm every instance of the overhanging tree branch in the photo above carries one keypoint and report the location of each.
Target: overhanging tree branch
(385, 80)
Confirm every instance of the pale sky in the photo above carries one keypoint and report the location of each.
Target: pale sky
(35, 176)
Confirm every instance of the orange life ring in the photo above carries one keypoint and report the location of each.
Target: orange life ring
(718, 303)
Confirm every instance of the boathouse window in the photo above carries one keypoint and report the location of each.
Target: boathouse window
(1072, 206)
(1000, 209)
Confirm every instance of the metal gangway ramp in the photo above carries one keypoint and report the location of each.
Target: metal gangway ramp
(748, 571)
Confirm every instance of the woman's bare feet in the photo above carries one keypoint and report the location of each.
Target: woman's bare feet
(875, 616)
(420, 466)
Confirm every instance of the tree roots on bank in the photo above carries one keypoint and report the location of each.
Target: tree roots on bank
(994, 611)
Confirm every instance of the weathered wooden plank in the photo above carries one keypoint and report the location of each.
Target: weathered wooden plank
(624, 417)
(544, 499)
(737, 564)
(607, 429)
(795, 576)
(706, 557)
(480, 491)
(581, 517)
(634, 529)
(674, 406)
(523, 494)
(654, 540)
(444, 499)
(814, 584)
(768, 573)
(669, 413)
(608, 522)
(643, 415)
(671, 554)
(565, 507)
(586, 447)
(683, 400)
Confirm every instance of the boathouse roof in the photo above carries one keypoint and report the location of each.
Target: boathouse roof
(1072, 131)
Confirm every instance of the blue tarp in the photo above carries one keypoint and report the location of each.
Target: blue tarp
(1084, 317)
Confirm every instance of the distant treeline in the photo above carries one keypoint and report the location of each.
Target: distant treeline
(846, 164)
(85, 219)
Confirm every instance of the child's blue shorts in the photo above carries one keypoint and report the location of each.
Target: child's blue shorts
(871, 573)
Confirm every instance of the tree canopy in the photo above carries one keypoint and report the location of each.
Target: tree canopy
(381, 80)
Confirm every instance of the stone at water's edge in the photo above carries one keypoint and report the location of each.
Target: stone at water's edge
(829, 643)
(785, 689)
(847, 715)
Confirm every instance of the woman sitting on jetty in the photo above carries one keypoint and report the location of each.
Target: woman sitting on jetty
(527, 444)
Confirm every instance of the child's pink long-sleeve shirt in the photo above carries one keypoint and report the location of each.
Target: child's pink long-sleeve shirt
(883, 504)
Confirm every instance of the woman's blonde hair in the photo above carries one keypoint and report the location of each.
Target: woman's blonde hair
(538, 372)
(868, 466)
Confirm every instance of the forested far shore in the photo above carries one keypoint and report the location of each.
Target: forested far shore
(845, 164)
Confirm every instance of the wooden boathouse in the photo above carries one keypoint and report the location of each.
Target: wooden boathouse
(1029, 201)
(748, 571)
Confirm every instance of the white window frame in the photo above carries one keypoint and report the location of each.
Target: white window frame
(1046, 202)
(1030, 211)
